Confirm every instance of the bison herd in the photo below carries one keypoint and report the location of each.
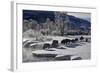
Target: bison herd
(67, 41)
(55, 43)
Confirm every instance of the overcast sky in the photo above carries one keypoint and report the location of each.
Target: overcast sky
(86, 16)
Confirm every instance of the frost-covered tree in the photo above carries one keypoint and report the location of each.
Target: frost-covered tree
(33, 24)
(25, 25)
(62, 20)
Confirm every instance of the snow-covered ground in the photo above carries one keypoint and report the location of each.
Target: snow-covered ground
(81, 49)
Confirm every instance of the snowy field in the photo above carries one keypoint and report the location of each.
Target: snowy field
(79, 48)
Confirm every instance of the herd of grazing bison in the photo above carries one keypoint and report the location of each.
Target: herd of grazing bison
(55, 43)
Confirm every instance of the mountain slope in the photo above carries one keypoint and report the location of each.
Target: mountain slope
(41, 16)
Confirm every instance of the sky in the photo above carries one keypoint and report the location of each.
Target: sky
(86, 16)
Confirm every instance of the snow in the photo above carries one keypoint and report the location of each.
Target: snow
(82, 51)
(73, 57)
(57, 51)
(78, 49)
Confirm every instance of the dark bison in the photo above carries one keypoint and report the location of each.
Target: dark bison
(65, 41)
(86, 40)
(74, 40)
(54, 44)
(81, 38)
(46, 45)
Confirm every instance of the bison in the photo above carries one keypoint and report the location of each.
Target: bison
(81, 38)
(65, 41)
(74, 40)
(46, 45)
(86, 40)
(54, 44)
